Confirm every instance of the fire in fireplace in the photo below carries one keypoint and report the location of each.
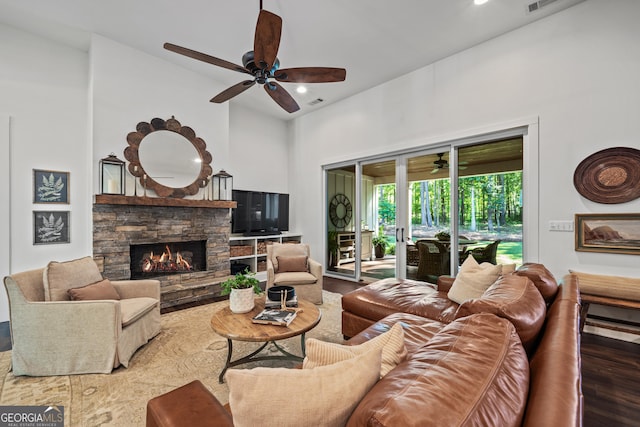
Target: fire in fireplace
(156, 259)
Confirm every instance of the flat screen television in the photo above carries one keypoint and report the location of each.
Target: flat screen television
(260, 212)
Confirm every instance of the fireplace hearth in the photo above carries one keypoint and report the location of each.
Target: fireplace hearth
(159, 259)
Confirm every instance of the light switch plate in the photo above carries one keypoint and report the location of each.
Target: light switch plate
(561, 226)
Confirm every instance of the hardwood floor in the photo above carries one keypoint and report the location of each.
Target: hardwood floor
(610, 370)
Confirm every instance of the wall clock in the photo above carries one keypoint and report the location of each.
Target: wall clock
(340, 210)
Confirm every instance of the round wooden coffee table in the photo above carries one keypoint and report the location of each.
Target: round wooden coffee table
(239, 327)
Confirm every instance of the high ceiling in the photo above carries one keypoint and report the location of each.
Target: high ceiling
(375, 40)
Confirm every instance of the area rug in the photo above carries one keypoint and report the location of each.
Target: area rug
(186, 349)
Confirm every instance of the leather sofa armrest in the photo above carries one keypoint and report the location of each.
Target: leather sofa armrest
(444, 283)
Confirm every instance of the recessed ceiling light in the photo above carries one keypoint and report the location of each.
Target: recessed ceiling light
(479, 2)
(301, 89)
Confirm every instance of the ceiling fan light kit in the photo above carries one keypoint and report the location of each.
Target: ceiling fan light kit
(262, 63)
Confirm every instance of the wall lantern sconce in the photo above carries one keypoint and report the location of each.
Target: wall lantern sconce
(222, 186)
(112, 175)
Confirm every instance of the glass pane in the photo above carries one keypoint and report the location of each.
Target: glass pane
(379, 219)
(429, 216)
(341, 239)
(490, 201)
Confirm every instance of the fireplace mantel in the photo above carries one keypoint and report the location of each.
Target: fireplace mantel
(108, 199)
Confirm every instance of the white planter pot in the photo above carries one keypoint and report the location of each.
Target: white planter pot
(241, 300)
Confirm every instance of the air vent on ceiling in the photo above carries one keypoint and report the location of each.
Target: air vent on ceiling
(316, 101)
(536, 5)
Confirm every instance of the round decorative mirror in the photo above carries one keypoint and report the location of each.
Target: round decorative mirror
(168, 158)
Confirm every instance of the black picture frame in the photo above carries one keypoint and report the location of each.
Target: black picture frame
(51, 227)
(50, 186)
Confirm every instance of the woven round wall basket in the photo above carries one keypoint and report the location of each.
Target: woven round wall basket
(609, 176)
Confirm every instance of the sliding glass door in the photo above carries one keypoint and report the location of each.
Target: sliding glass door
(400, 216)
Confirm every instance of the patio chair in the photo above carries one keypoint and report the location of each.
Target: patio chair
(434, 260)
(484, 254)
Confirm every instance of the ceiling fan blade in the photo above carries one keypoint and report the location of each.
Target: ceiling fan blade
(267, 39)
(311, 75)
(281, 97)
(234, 90)
(205, 58)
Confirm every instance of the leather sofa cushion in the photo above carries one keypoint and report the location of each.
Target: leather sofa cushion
(541, 278)
(472, 372)
(388, 296)
(516, 299)
(417, 330)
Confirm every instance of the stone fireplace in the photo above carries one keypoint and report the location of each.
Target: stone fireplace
(182, 243)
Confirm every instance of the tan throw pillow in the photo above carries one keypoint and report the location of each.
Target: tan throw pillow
(324, 396)
(292, 264)
(97, 291)
(508, 268)
(59, 277)
(320, 353)
(472, 280)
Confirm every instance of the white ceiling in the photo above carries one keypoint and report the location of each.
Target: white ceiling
(375, 40)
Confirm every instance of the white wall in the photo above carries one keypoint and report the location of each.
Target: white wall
(576, 70)
(5, 210)
(128, 87)
(44, 90)
(258, 151)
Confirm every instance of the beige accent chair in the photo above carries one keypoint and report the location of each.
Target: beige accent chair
(307, 283)
(52, 335)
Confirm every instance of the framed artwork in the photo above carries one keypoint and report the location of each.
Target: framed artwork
(50, 227)
(610, 233)
(50, 186)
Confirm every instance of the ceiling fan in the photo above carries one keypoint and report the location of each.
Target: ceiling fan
(444, 164)
(263, 64)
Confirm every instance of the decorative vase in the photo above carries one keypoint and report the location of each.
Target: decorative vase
(241, 300)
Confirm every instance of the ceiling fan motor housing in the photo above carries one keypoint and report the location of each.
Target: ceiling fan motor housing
(249, 63)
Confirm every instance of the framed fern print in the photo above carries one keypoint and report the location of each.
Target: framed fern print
(50, 227)
(50, 186)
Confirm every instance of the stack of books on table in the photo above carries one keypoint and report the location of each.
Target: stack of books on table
(268, 303)
(274, 316)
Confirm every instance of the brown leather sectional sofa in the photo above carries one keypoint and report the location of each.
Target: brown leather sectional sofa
(511, 357)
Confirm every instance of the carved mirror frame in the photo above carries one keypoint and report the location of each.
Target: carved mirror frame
(131, 153)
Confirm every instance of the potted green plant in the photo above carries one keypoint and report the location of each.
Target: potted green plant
(240, 289)
(379, 245)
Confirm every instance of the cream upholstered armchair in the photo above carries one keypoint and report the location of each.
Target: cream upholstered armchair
(101, 329)
(289, 264)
